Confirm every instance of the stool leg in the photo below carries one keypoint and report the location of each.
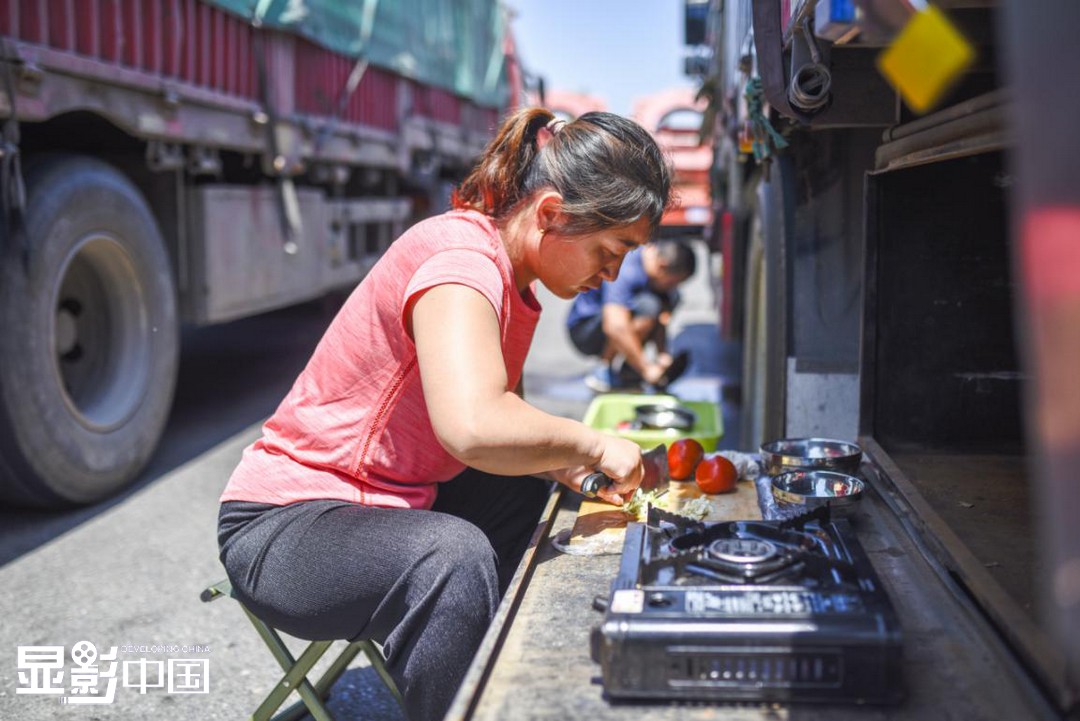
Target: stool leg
(371, 651)
(295, 679)
(296, 670)
(294, 712)
(328, 679)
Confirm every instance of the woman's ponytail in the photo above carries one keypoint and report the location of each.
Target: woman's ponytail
(495, 184)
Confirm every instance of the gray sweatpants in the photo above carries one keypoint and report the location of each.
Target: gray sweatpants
(424, 584)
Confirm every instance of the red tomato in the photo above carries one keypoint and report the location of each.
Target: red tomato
(683, 457)
(716, 474)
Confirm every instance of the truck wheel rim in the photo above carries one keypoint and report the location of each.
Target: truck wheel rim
(100, 334)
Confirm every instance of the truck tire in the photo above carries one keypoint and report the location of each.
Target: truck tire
(89, 348)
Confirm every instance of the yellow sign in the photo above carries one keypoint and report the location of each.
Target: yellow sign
(925, 59)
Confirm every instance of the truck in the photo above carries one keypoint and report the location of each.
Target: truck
(192, 162)
(674, 117)
(894, 272)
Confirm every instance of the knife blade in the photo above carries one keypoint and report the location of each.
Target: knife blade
(656, 474)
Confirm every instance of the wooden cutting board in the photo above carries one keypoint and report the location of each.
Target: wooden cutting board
(602, 526)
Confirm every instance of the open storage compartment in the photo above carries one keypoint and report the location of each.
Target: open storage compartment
(941, 388)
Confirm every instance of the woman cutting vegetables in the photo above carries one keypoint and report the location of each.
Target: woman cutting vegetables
(395, 488)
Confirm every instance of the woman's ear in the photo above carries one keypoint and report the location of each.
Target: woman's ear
(548, 210)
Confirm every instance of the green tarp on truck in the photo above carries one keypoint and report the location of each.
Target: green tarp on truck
(453, 44)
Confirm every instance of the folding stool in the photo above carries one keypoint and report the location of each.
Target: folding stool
(296, 669)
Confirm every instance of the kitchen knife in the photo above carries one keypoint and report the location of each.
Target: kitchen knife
(656, 474)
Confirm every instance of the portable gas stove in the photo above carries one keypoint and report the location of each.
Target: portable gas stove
(748, 611)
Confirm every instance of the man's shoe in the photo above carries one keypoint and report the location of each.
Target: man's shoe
(601, 379)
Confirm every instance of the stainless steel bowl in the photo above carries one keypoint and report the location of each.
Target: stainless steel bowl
(665, 417)
(798, 492)
(823, 454)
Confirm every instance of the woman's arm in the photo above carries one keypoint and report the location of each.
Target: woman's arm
(480, 422)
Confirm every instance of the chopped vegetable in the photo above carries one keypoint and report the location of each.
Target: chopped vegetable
(638, 505)
(698, 508)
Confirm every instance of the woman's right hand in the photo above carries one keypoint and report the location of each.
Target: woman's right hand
(620, 460)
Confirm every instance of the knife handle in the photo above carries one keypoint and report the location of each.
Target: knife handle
(593, 483)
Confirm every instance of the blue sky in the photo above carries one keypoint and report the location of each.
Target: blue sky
(616, 49)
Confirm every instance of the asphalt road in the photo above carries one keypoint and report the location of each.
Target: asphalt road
(128, 572)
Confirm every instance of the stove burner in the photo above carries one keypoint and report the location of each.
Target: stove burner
(743, 560)
(742, 550)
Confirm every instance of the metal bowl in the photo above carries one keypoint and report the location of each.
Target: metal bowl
(810, 454)
(797, 492)
(665, 417)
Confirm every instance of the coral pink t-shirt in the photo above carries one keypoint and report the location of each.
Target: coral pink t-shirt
(355, 426)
